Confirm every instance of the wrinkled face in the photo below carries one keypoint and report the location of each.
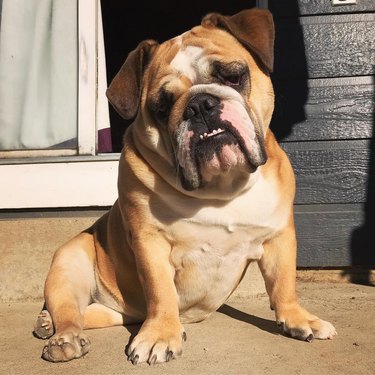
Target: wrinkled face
(207, 92)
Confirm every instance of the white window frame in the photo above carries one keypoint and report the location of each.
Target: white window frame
(69, 178)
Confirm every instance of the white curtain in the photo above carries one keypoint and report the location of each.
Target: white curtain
(38, 74)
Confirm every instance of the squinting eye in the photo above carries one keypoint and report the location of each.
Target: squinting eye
(162, 107)
(162, 112)
(233, 74)
(232, 80)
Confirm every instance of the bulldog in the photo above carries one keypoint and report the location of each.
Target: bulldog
(203, 190)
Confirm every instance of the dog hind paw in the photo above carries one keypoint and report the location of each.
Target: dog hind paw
(65, 347)
(43, 327)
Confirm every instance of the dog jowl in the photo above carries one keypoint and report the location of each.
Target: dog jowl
(203, 190)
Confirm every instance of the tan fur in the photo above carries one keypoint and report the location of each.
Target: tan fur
(164, 255)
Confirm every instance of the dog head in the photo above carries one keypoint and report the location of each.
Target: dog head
(207, 93)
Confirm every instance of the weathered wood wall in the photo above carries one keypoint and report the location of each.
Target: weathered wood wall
(335, 108)
(324, 118)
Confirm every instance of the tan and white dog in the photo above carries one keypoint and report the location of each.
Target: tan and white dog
(204, 189)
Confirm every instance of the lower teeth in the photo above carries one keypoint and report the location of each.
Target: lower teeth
(214, 132)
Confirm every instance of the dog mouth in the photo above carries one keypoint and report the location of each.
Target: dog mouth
(210, 154)
(217, 139)
(210, 149)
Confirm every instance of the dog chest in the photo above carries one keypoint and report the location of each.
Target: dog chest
(213, 247)
(209, 266)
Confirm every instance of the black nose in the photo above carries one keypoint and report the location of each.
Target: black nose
(200, 105)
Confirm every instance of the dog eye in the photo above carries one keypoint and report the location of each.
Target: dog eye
(162, 112)
(230, 74)
(162, 106)
(231, 80)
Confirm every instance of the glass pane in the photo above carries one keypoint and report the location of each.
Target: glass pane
(38, 74)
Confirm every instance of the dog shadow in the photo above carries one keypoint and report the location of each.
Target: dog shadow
(261, 323)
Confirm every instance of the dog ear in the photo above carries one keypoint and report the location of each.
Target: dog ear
(125, 89)
(254, 28)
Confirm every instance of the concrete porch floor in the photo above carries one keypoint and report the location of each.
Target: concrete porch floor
(241, 338)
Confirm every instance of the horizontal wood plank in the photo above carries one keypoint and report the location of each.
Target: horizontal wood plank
(287, 8)
(324, 109)
(325, 46)
(330, 172)
(325, 235)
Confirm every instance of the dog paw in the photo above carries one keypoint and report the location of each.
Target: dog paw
(301, 325)
(43, 327)
(156, 342)
(66, 346)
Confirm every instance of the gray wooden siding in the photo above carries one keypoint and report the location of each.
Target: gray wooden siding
(335, 46)
(330, 172)
(324, 119)
(336, 108)
(288, 8)
(324, 233)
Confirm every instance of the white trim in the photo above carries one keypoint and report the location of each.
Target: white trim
(77, 184)
(9, 155)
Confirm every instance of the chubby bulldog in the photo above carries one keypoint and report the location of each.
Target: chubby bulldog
(203, 190)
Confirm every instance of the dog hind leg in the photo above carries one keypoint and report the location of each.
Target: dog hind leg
(100, 316)
(69, 285)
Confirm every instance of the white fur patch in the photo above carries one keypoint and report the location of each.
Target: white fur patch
(188, 62)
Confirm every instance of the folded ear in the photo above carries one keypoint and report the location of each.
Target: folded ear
(125, 89)
(254, 28)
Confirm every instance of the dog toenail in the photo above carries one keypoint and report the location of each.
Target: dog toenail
(310, 337)
(153, 359)
(135, 359)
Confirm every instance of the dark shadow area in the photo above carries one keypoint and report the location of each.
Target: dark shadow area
(126, 23)
(362, 241)
(290, 69)
(261, 323)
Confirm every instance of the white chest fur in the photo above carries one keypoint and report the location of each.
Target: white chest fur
(214, 246)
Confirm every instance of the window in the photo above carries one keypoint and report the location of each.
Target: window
(54, 120)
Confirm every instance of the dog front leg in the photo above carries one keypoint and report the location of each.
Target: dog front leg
(161, 335)
(278, 266)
